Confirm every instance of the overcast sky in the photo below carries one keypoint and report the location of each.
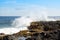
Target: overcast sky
(29, 7)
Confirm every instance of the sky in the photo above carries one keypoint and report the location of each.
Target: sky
(36, 9)
(28, 7)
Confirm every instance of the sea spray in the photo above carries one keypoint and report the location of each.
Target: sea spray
(22, 22)
(30, 14)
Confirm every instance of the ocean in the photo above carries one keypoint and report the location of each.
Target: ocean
(6, 21)
(13, 24)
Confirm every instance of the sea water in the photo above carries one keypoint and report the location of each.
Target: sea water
(13, 24)
(6, 21)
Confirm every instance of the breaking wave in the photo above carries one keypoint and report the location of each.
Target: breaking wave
(33, 13)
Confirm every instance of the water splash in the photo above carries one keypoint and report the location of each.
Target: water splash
(30, 14)
(22, 22)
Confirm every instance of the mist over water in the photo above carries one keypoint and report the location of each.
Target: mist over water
(31, 14)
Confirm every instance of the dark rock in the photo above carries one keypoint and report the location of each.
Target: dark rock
(51, 30)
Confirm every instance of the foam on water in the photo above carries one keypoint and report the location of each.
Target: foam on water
(34, 13)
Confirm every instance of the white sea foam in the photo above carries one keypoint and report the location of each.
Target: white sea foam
(30, 14)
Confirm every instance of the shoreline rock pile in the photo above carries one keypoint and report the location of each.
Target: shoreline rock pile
(39, 30)
(45, 30)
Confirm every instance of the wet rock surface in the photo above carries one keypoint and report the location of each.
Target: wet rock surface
(40, 30)
(50, 30)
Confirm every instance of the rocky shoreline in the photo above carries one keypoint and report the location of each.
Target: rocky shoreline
(39, 30)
